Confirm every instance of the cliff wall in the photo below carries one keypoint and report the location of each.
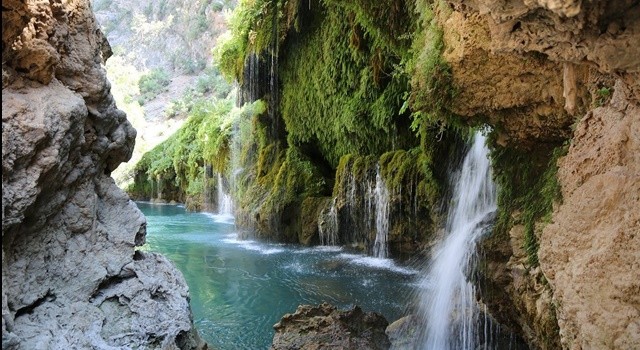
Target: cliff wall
(71, 277)
(556, 78)
(588, 252)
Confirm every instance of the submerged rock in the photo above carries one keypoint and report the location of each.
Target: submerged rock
(325, 327)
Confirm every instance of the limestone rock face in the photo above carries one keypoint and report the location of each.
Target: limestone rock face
(534, 69)
(521, 94)
(325, 327)
(603, 33)
(589, 253)
(524, 65)
(70, 275)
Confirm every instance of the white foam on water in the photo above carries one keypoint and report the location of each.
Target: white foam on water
(261, 248)
(221, 218)
(319, 249)
(376, 263)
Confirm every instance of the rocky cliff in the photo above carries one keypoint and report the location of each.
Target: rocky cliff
(555, 77)
(71, 277)
(589, 251)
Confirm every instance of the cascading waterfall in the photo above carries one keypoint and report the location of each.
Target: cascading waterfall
(225, 203)
(367, 213)
(448, 299)
(381, 196)
(328, 228)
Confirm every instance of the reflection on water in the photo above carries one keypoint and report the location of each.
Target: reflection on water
(240, 289)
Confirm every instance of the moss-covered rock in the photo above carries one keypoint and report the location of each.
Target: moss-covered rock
(312, 208)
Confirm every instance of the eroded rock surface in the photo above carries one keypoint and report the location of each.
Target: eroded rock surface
(525, 66)
(534, 69)
(589, 253)
(70, 275)
(325, 327)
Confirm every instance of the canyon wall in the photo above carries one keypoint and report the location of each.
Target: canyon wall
(71, 275)
(589, 250)
(555, 78)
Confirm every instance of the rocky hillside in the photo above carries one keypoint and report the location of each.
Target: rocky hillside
(541, 91)
(71, 274)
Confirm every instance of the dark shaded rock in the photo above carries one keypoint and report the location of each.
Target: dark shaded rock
(325, 327)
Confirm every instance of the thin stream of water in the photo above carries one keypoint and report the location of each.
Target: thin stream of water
(225, 203)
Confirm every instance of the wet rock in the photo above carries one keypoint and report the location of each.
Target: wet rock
(325, 327)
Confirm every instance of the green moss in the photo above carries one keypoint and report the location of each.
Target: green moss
(251, 27)
(175, 167)
(527, 184)
(403, 169)
(274, 186)
(342, 93)
(433, 92)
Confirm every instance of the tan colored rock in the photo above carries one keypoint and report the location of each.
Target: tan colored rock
(589, 253)
(603, 33)
(523, 94)
(325, 327)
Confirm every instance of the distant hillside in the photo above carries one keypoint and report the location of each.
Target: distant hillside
(161, 62)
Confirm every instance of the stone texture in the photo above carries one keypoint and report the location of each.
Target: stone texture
(520, 94)
(602, 33)
(516, 294)
(589, 252)
(403, 332)
(70, 275)
(533, 69)
(325, 327)
(524, 65)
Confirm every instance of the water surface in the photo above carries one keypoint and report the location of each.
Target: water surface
(240, 289)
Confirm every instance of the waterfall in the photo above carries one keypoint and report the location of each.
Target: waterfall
(447, 302)
(381, 197)
(328, 228)
(364, 213)
(225, 204)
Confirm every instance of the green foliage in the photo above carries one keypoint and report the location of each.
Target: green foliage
(204, 138)
(603, 95)
(527, 183)
(152, 84)
(342, 94)
(399, 168)
(209, 82)
(251, 32)
(197, 26)
(432, 89)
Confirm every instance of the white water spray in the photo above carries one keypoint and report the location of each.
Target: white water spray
(225, 203)
(328, 229)
(381, 196)
(448, 299)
